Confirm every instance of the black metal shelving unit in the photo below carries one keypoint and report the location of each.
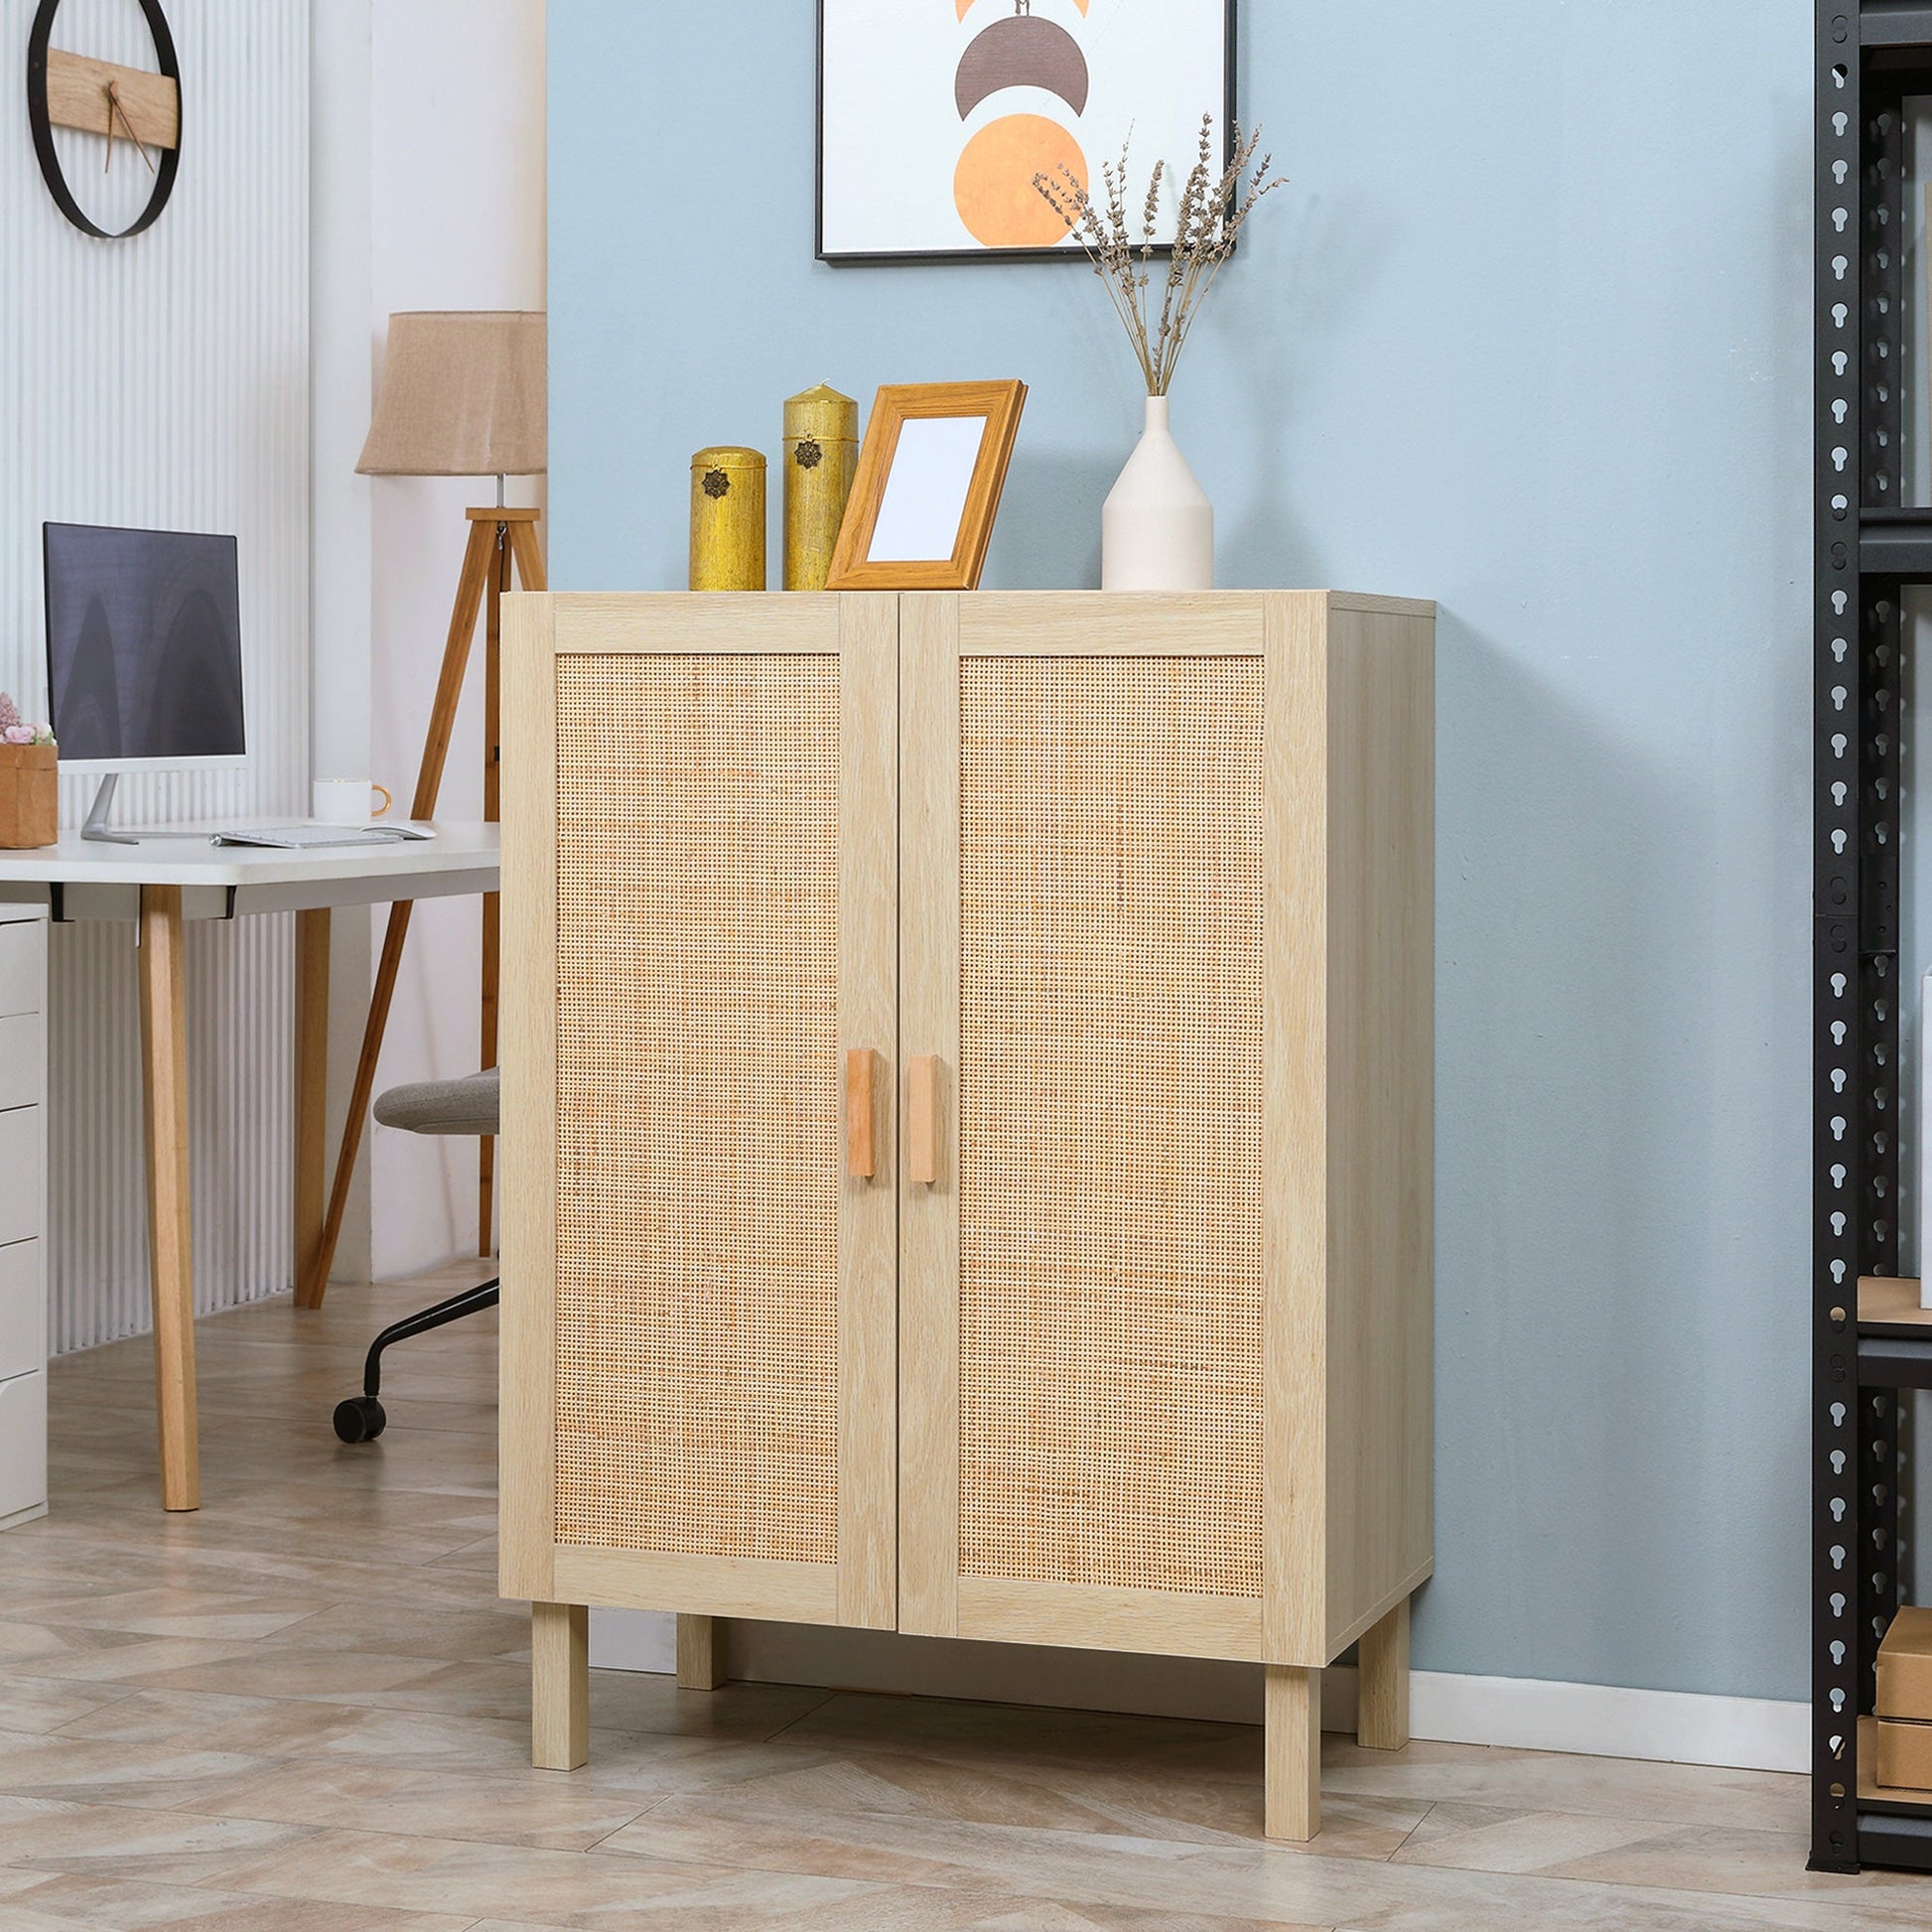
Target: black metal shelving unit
(1871, 58)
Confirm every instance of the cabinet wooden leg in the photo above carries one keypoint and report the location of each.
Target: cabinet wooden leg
(1293, 1752)
(1382, 1704)
(560, 1686)
(700, 1653)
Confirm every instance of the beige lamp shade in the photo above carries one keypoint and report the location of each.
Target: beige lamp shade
(462, 395)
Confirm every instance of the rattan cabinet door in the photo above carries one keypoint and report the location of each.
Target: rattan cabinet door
(1084, 914)
(699, 1290)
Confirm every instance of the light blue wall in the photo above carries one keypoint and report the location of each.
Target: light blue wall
(1527, 334)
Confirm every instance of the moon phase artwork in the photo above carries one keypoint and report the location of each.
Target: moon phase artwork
(935, 116)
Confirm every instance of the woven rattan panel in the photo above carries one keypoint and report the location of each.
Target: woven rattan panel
(1110, 1094)
(698, 1093)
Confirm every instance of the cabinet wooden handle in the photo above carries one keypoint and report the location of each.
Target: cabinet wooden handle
(862, 1113)
(922, 1121)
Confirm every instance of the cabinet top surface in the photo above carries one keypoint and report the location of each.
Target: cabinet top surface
(1126, 600)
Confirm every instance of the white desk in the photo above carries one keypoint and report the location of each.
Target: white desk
(158, 885)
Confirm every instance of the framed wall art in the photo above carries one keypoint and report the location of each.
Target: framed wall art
(935, 115)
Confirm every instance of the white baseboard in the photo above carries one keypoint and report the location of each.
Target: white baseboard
(1519, 1713)
(641, 1640)
(1605, 1720)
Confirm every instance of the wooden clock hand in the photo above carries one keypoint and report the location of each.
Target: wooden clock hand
(115, 107)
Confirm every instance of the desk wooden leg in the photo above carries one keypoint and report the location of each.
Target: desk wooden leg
(1382, 1706)
(487, 1147)
(311, 1096)
(560, 1686)
(170, 1265)
(700, 1653)
(1292, 1753)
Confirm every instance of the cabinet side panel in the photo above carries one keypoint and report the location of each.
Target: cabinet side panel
(526, 1348)
(929, 1029)
(700, 1093)
(1381, 1071)
(868, 1337)
(1295, 1134)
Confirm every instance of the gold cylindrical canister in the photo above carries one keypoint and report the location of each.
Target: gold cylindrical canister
(821, 459)
(728, 520)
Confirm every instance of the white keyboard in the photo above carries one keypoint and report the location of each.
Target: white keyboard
(314, 838)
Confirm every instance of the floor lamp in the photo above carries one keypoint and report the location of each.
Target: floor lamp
(462, 395)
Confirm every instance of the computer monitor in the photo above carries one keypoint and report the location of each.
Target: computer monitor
(143, 651)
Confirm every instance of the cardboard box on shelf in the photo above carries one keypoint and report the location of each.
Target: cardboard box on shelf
(1904, 1756)
(1905, 1669)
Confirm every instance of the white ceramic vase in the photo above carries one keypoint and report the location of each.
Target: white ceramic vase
(1157, 531)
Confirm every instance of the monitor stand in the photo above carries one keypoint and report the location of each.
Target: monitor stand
(97, 826)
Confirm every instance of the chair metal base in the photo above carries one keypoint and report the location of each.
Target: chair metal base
(361, 1419)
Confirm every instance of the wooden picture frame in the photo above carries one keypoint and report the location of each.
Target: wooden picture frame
(955, 488)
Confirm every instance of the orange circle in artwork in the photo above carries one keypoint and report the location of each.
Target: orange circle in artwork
(992, 186)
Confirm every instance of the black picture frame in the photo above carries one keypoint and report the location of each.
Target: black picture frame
(38, 118)
(902, 258)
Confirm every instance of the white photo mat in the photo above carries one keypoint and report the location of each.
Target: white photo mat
(925, 495)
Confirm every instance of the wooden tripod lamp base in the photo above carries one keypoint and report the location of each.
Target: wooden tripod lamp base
(465, 393)
(502, 547)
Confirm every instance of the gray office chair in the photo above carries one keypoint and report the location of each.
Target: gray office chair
(468, 1106)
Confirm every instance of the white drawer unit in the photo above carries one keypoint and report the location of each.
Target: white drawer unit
(22, 1217)
(22, 1059)
(22, 950)
(23, 1345)
(22, 1175)
(21, 1183)
(23, 1448)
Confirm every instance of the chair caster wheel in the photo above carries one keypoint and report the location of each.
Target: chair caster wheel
(360, 1419)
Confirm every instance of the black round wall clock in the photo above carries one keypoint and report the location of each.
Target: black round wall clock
(72, 78)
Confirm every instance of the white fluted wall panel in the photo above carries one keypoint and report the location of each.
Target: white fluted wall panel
(165, 382)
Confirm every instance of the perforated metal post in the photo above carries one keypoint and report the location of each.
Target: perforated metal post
(1838, 1132)
(1861, 484)
(1881, 219)
(1875, 1087)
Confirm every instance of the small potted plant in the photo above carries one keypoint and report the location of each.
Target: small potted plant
(29, 780)
(1157, 531)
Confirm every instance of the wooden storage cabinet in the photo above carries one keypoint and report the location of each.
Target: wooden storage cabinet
(968, 1122)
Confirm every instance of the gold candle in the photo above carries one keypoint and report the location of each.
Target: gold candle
(821, 458)
(728, 520)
